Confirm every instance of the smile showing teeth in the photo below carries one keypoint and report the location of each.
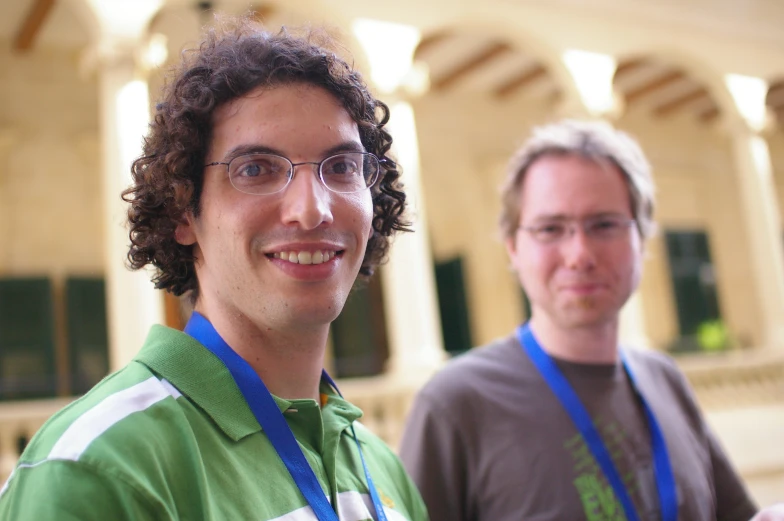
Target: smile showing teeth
(305, 257)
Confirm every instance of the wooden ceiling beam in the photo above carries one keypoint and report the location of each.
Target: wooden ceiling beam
(780, 119)
(429, 42)
(31, 26)
(660, 82)
(709, 115)
(628, 66)
(775, 102)
(775, 96)
(673, 105)
(775, 87)
(519, 81)
(470, 65)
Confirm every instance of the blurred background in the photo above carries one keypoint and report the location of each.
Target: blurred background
(700, 83)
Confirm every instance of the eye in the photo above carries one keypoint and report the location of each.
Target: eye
(549, 231)
(342, 165)
(250, 170)
(256, 167)
(607, 227)
(606, 224)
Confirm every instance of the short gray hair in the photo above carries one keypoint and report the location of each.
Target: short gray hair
(589, 139)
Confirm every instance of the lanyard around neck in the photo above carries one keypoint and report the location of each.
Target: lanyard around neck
(665, 481)
(274, 424)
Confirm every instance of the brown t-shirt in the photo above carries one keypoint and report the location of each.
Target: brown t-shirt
(487, 440)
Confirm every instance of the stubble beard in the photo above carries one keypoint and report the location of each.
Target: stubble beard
(584, 311)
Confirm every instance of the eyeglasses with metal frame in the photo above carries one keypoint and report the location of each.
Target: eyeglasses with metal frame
(600, 227)
(267, 174)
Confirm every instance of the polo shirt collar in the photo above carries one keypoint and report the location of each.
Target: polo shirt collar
(202, 377)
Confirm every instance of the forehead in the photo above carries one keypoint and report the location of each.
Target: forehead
(573, 186)
(285, 117)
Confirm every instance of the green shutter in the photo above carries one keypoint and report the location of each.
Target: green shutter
(359, 338)
(27, 353)
(694, 284)
(453, 305)
(87, 332)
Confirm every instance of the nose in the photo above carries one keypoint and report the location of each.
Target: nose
(306, 201)
(577, 250)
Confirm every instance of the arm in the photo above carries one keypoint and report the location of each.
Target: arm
(732, 499)
(771, 513)
(733, 502)
(434, 454)
(64, 490)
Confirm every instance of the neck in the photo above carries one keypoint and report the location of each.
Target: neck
(288, 362)
(594, 344)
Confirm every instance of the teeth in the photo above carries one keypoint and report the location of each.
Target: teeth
(305, 257)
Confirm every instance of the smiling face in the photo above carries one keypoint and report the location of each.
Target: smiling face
(579, 281)
(284, 261)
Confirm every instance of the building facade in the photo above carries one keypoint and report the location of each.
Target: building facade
(700, 84)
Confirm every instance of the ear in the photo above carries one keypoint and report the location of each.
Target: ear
(511, 247)
(185, 233)
(511, 250)
(642, 243)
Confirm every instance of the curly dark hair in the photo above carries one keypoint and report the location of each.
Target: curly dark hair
(233, 59)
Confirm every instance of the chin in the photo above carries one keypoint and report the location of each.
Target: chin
(318, 311)
(584, 316)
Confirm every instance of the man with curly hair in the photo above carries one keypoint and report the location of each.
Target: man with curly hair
(264, 190)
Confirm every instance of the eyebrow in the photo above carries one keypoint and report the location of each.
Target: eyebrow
(564, 217)
(241, 150)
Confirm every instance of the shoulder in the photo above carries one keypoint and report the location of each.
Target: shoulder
(470, 374)
(655, 364)
(128, 415)
(661, 381)
(104, 443)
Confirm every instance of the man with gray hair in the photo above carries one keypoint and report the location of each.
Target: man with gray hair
(555, 422)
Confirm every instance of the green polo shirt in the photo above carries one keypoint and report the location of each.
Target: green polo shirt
(170, 436)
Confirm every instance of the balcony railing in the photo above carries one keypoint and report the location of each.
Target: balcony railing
(734, 391)
(18, 422)
(735, 380)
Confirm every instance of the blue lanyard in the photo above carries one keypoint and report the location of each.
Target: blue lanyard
(274, 424)
(665, 481)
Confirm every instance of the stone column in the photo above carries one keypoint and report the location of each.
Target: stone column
(763, 237)
(410, 297)
(119, 30)
(747, 117)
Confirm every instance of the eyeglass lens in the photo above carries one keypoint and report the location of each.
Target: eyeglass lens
(602, 227)
(269, 173)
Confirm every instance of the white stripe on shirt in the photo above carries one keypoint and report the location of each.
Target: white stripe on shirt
(109, 411)
(98, 419)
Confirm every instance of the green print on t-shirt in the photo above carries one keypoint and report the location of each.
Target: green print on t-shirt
(598, 500)
(596, 494)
